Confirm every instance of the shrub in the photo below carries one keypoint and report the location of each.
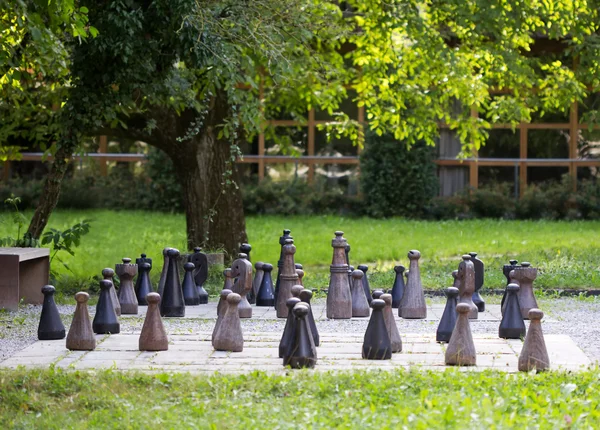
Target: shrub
(491, 202)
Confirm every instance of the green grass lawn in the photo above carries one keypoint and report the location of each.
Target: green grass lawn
(565, 251)
(53, 399)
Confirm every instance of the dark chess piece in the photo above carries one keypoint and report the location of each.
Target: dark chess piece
(245, 248)
(108, 274)
(172, 303)
(534, 354)
(266, 295)
(153, 336)
(143, 259)
(377, 294)
(290, 326)
(377, 344)
(524, 276)
(190, 291)
(412, 305)
(390, 324)
(506, 269)
(81, 335)
(479, 278)
(220, 311)
(347, 252)
(399, 286)
(302, 353)
(258, 276)
(50, 326)
(360, 304)
(466, 276)
(142, 285)
(105, 320)
(461, 349)
(288, 279)
(339, 297)
(229, 336)
(350, 270)
(200, 273)
(242, 269)
(300, 274)
(163, 273)
(448, 321)
(512, 325)
(129, 302)
(364, 268)
(282, 239)
(296, 290)
(305, 296)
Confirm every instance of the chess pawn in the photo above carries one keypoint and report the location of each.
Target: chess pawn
(153, 336)
(466, 276)
(288, 278)
(190, 291)
(534, 354)
(163, 274)
(245, 248)
(129, 302)
(220, 311)
(142, 285)
(282, 239)
(172, 303)
(377, 344)
(296, 290)
(50, 326)
(108, 274)
(525, 275)
(390, 324)
(512, 325)
(300, 274)
(365, 280)
(242, 269)
(448, 321)
(377, 294)
(360, 304)
(303, 353)
(258, 277)
(506, 269)
(105, 320)
(229, 336)
(265, 295)
(285, 343)
(339, 297)
(412, 305)
(81, 335)
(461, 349)
(399, 286)
(479, 276)
(200, 273)
(305, 296)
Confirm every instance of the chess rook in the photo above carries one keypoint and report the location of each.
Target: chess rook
(448, 320)
(461, 349)
(81, 335)
(153, 336)
(339, 297)
(534, 354)
(412, 305)
(50, 326)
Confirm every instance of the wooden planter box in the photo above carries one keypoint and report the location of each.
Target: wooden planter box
(23, 273)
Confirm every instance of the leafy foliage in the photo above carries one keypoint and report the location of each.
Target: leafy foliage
(66, 240)
(19, 220)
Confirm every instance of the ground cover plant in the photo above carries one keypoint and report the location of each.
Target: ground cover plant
(565, 251)
(416, 399)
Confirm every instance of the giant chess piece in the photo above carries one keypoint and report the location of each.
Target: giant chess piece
(258, 276)
(364, 268)
(360, 304)
(390, 324)
(227, 285)
(300, 274)
(163, 275)
(479, 278)
(172, 303)
(220, 311)
(153, 336)
(448, 321)
(339, 297)
(242, 269)
(266, 295)
(377, 344)
(288, 278)
(50, 326)
(105, 320)
(282, 239)
(296, 290)
(129, 302)
(108, 275)
(461, 349)
(290, 327)
(466, 276)
(376, 294)
(229, 336)
(81, 335)
(190, 291)
(399, 286)
(305, 296)
(143, 259)
(506, 269)
(412, 305)
(142, 285)
(512, 325)
(245, 248)
(534, 354)
(525, 275)
(302, 353)
(350, 270)
(347, 252)
(200, 273)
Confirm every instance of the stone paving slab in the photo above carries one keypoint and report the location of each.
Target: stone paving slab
(338, 351)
